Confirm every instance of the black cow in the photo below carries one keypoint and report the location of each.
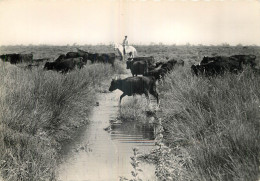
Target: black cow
(148, 60)
(84, 55)
(135, 85)
(93, 57)
(242, 59)
(161, 69)
(217, 66)
(157, 72)
(169, 65)
(26, 57)
(98, 57)
(12, 58)
(65, 65)
(210, 69)
(102, 58)
(246, 59)
(207, 60)
(138, 68)
(17, 58)
(139, 65)
(60, 58)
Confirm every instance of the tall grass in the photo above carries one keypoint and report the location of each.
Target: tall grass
(133, 109)
(38, 111)
(211, 125)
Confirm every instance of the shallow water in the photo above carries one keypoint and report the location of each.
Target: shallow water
(105, 155)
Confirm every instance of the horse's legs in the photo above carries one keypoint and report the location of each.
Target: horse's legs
(124, 50)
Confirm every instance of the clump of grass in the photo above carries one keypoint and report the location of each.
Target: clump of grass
(163, 156)
(213, 124)
(133, 109)
(120, 67)
(136, 167)
(39, 110)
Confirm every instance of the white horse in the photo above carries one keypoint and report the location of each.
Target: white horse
(129, 50)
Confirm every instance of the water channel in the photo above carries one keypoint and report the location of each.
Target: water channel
(100, 154)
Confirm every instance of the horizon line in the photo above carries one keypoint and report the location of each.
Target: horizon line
(138, 44)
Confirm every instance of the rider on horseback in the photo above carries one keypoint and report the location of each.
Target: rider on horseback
(125, 43)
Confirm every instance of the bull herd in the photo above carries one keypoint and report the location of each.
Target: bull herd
(209, 66)
(65, 62)
(71, 60)
(150, 70)
(143, 84)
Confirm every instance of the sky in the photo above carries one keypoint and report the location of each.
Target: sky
(62, 22)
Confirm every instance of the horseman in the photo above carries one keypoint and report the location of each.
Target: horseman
(125, 50)
(125, 43)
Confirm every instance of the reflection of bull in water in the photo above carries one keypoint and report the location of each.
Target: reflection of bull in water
(132, 132)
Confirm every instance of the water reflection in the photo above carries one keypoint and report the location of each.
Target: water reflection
(133, 132)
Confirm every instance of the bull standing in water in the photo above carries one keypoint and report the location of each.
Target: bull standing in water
(135, 85)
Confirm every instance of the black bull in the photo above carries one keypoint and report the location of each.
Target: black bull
(162, 68)
(65, 65)
(242, 59)
(17, 58)
(135, 85)
(102, 58)
(217, 65)
(95, 57)
(139, 65)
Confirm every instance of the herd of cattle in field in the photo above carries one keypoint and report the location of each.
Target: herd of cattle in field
(150, 70)
(71, 60)
(147, 66)
(211, 66)
(65, 62)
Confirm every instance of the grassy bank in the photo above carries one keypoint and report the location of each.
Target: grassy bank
(211, 125)
(39, 110)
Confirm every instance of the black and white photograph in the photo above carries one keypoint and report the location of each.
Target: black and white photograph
(129, 90)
